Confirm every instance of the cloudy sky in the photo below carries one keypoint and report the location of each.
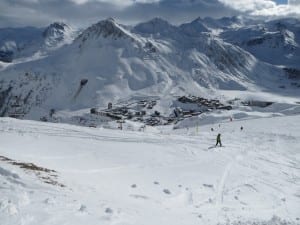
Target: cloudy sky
(15, 13)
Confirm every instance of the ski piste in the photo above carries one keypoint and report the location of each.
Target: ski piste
(149, 177)
(211, 147)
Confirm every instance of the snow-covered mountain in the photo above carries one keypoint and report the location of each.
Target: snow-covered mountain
(224, 23)
(109, 62)
(16, 43)
(276, 42)
(157, 27)
(58, 34)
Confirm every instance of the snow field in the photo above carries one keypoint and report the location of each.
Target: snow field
(129, 177)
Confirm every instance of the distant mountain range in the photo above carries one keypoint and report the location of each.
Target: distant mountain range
(24, 42)
(43, 68)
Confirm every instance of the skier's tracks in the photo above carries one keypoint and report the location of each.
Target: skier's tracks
(221, 186)
(224, 177)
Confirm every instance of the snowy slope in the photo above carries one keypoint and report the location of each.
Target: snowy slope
(19, 43)
(151, 177)
(224, 23)
(152, 59)
(276, 42)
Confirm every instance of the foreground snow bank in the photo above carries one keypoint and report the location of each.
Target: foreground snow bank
(145, 178)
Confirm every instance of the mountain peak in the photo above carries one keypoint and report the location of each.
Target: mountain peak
(158, 20)
(105, 28)
(194, 28)
(198, 19)
(57, 34)
(111, 19)
(58, 25)
(156, 25)
(54, 28)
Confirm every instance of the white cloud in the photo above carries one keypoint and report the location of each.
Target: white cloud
(118, 3)
(265, 8)
(84, 12)
(14, 13)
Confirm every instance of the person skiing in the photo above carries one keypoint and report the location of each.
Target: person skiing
(242, 128)
(219, 140)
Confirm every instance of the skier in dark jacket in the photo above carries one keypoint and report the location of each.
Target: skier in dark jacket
(219, 140)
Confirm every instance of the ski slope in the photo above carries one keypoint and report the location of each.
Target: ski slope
(159, 176)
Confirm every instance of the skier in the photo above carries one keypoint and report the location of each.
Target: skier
(242, 128)
(219, 140)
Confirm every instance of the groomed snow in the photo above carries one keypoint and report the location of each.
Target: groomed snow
(166, 177)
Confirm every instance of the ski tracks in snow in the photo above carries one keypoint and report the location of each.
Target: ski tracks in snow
(221, 186)
(223, 180)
